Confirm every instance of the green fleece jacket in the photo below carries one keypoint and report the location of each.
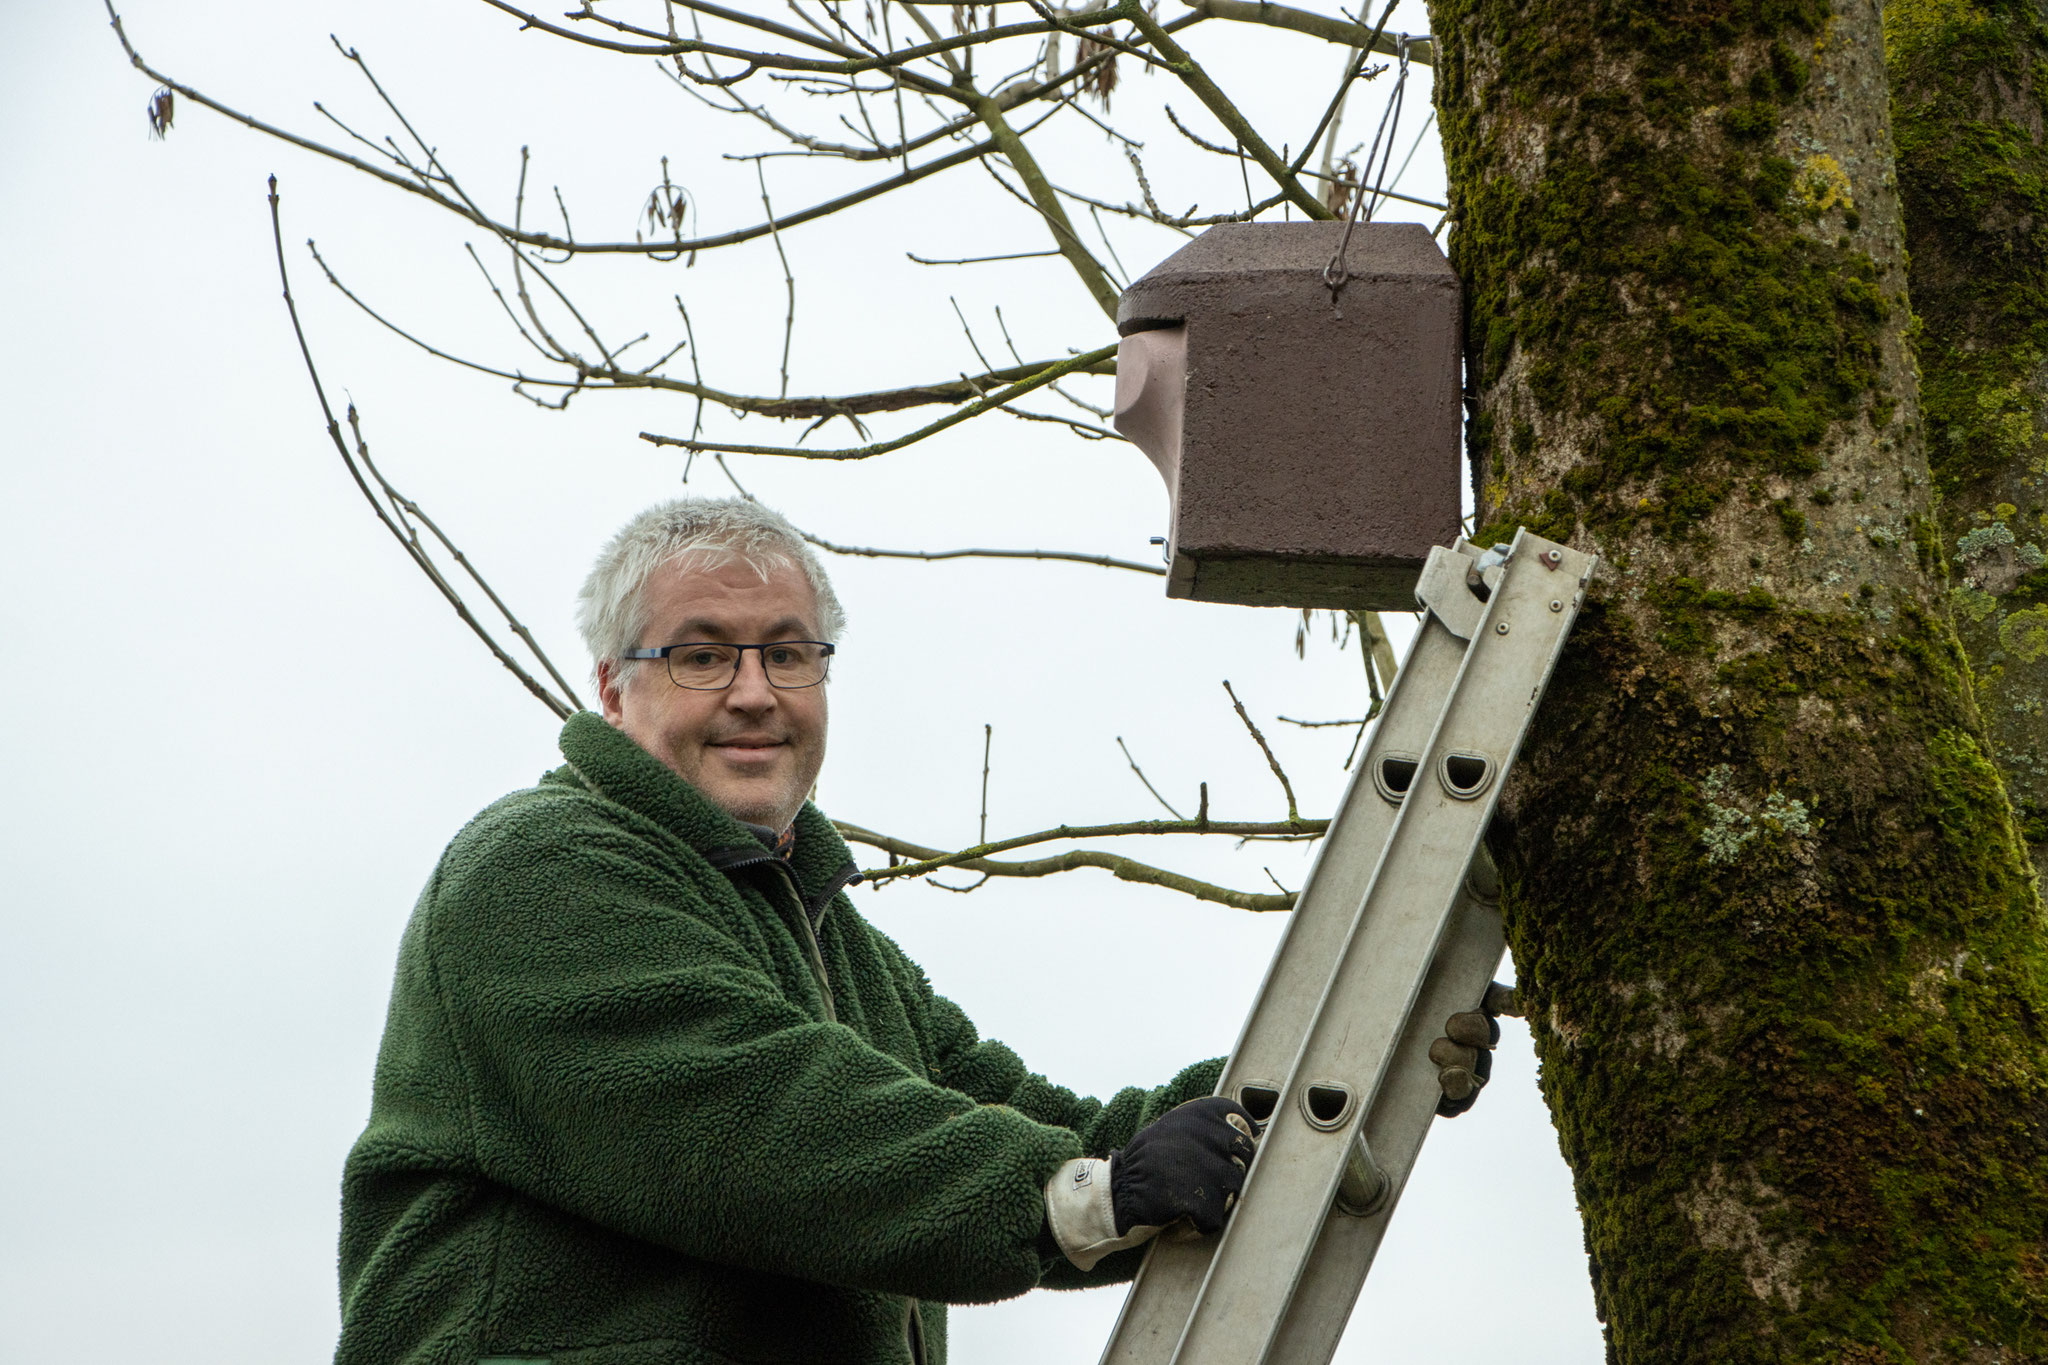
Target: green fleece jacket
(648, 1093)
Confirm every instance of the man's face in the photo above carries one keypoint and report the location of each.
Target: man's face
(753, 749)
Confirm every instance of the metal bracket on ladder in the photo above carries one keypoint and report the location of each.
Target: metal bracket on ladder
(1395, 930)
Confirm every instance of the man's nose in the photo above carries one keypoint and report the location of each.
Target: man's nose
(750, 690)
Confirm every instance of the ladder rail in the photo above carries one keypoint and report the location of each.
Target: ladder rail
(1171, 1275)
(1373, 986)
(1388, 939)
(1394, 1129)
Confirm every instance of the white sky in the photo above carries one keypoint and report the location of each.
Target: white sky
(243, 726)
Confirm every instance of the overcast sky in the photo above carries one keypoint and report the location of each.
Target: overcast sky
(243, 725)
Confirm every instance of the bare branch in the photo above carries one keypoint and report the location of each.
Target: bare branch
(1093, 276)
(1196, 79)
(1378, 648)
(413, 510)
(988, 739)
(547, 241)
(1359, 52)
(358, 460)
(1071, 556)
(1344, 32)
(972, 410)
(1147, 781)
(788, 278)
(982, 260)
(853, 63)
(933, 859)
(807, 408)
(1293, 812)
(1240, 154)
(1124, 869)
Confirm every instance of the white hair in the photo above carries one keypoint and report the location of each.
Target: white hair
(689, 533)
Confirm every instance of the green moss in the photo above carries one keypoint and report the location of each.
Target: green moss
(2024, 634)
(1974, 186)
(1926, 543)
(1553, 518)
(1750, 122)
(1770, 336)
(1782, 1024)
(1972, 604)
(2032, 588)
(1791, 520)
(1687, 609)
(1791, 1019)
(1969, 90)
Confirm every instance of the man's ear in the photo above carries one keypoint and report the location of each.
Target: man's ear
(610, 689)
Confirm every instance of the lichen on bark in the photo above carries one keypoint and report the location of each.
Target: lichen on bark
(1767, 900)
(1970, 105)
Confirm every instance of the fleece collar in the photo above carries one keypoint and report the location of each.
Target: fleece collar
(608, 760)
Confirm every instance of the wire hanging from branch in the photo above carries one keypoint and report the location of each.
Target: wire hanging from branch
(1336, 272)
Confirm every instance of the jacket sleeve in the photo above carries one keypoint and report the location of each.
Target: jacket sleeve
(993, 1074)
(634, 1064)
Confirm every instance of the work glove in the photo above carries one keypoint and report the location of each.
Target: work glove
(1464, 1055)
(1186, 1166)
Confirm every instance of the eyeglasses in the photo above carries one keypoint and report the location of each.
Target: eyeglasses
(703, 667)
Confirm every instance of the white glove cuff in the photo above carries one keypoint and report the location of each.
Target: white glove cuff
(1081, 1214)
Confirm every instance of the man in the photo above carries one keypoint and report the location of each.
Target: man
(652, 1091)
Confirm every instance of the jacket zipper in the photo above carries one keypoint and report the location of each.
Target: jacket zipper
(913, 1328)
(913, 1324)
(803, 912)
(817, 905)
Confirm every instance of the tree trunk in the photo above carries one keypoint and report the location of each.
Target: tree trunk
(1771, 914)
(1967, 88)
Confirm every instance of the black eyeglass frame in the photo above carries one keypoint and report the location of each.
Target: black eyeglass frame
(738, 660)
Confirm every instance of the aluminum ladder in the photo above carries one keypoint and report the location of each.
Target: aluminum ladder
(1396, 929)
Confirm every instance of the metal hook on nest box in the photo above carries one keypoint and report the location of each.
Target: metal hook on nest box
(1337, 273)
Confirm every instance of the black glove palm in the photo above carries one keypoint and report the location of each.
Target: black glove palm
(1188, 1163)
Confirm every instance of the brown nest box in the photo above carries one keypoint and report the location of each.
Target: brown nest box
(1308, 437)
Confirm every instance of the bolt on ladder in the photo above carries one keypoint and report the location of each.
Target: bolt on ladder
(1395, 930)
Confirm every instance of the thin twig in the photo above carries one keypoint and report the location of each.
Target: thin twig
(459, 205)
(1293, 813)
(982, 260)
(788, 278)
(1178, 60)
(599, 378)
(413, 510)
(1371, 715)
(1070, 556)
(869, 552)
(1147, 781)
(988, 738)
(562, 709)
(1357, 66)
(1379, 671)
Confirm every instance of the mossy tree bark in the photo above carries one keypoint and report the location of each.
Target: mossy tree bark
(1770, 910)
(1970, 108)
